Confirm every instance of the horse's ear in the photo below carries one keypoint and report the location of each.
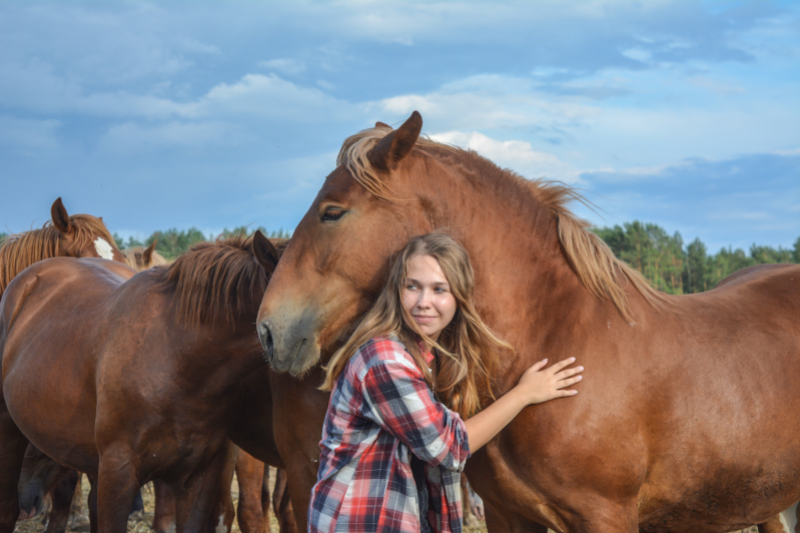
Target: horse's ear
(60, 217)
(266, 253)
(147, 255)
(396, 145)
(384, 125)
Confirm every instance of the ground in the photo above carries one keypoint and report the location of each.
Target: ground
(142, 523)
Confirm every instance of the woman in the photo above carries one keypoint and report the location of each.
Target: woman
(410, 399)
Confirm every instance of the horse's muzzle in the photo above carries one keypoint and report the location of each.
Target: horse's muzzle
(267, 342)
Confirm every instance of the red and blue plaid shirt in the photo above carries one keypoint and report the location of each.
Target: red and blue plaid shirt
(380, 412)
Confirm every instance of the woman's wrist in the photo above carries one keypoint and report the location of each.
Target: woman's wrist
(517, 399)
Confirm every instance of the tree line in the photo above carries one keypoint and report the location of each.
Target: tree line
(662, 258)
(677, 269)
(174, 242)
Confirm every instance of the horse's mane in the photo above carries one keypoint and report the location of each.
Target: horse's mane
(215, 280)
(592, 260)
(21, 250)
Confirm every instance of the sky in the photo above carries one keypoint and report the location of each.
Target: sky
(158, 115)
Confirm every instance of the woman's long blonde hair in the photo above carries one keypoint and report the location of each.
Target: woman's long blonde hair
(468, 349)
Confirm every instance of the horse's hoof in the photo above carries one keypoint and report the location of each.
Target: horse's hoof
(80, 523)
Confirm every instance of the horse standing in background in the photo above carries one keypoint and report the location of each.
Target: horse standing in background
(140, 258)
(62, 236)
(682, 422)
(84, 326)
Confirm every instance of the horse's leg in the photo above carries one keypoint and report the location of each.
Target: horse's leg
(282, 504)
(63, 493)
(196, 500)
(500, 520)
(223, 512)
(251, 514)
(117, 486)
(91, 502)
(164, 515)
(12, 453)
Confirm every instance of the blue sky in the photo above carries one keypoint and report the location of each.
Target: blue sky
(218, 114)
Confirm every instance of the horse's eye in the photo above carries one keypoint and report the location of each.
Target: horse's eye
(332, 214)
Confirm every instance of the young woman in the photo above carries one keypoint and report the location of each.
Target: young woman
(410, 399)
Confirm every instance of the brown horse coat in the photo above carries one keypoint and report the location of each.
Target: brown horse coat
(130, 381)
(687, 416)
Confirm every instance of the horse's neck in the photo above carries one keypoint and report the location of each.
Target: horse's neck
(221, 352)
(518, 259)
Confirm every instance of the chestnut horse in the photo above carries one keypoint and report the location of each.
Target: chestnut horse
(687, 418)
(140, 258)
(62, 236)
(140, 373)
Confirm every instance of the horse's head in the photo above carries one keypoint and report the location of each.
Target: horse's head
(140, 258)
(338, 257)
(83, 235)
(39, 475)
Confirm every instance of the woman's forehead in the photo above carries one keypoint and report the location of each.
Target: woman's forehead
(423, 267)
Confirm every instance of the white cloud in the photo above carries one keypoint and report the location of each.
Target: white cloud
(287, 66)
(519, 156)
(270, 96)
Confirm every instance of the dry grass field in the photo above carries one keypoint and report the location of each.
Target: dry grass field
(143, 522)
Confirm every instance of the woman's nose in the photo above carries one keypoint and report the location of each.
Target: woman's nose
(424, 300)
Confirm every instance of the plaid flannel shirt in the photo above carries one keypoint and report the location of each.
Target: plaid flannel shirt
(381, 411)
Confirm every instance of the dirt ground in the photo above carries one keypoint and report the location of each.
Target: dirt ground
(142, 523)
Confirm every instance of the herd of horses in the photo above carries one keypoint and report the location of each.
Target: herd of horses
(686, 419)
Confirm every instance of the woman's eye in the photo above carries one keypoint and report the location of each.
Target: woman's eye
(332, 213)
(411, 287)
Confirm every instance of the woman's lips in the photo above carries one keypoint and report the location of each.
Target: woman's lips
(424, 319)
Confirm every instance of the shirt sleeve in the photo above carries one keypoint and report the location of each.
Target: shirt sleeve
(397, 398)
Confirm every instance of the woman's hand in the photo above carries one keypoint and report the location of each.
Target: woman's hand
(537, 385)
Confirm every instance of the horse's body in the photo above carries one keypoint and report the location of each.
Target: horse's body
(63, 236)
(145, 372)
(687, 417)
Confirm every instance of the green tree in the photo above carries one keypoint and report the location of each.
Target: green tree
(649, 249)
(174, 242)
(768, 254)
(694, 275)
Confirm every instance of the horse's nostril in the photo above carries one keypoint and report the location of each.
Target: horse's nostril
(265, 335)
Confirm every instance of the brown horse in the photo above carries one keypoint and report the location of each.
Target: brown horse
(76, 338)
(140, 258)
(687, 417)
(62, 236)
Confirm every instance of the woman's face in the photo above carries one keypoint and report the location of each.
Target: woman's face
(427, 297)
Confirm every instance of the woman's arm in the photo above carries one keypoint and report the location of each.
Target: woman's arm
(535, 386)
